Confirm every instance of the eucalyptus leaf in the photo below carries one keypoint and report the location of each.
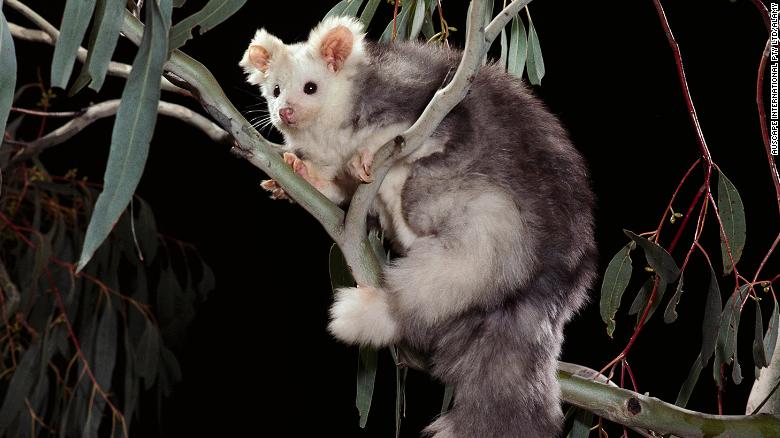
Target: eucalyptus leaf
(339, 270)
(368, 12)
(400, 393)
(7, 71)
(133, 128)
(446, 402)
(75, 21)
(658, 258)
(102, 42)
(518, 48)
(22, 382)
(760, 358)
(726, 347)
(178, 3)
(732, 217)
(690, 382)
(504, 50)
(711, 321)
(616, 279)
(212, 14)
(770, 339)
(401, 24)
(366, 376)
(417, 20)
(148, 354)
(338, 9)
(640, 300)
(670, 314)
(535, 61)
(352, 8)
(582, 424)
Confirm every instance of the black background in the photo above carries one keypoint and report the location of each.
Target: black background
(258, 357)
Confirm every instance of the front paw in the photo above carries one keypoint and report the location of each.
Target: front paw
(360, 165)
(361, 315)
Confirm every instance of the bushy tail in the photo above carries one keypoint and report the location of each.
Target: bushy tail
(505, 380)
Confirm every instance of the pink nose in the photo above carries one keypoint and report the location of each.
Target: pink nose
(287, 115)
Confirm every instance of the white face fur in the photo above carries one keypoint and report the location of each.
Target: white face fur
(307, 85)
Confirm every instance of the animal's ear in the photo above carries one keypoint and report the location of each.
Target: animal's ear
(258, 56)
(337, 40)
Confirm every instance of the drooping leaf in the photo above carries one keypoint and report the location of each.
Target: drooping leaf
(711, 322)
(148, 354)
(690, 382)
(582, 424)
(368, 12)
(339, 270)
(446, 402)
(23, 379)
(400, 394)
(7, 71)
(616, 279)
(518, 48)
(770, 339)
(102, 42)
(670, 314)
(352, 8)
(535, 61)
(75, 20)
(146, 230)
(760, 358)
(660, 260)
(366, 375)
(504, 50)
(640, 300)
(401, 24)
(338, 9)
(732, 216)
(417, 20)
(726, 347)
(106, 346)
(428, 30)
(214, 13)
(133, 128)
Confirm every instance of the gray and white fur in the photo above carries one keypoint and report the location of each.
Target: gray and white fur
(492, 217)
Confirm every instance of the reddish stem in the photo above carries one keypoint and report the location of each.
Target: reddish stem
(395, 20)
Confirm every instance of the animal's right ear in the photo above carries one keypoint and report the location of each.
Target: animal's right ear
(258, 57)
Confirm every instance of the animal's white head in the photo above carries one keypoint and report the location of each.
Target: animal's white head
(307, 85)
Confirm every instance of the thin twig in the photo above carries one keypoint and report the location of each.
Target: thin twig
(109, 108)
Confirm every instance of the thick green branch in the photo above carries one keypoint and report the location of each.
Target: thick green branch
(631, 409)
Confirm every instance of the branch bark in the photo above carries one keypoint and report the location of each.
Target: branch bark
(109, 108)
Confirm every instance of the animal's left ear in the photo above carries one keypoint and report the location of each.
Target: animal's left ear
(337, 40)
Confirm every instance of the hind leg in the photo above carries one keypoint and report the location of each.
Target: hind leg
(361, 315)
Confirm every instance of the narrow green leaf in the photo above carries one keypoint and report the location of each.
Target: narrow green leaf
(726, 347)
(352, 8)
(106, 347)
(75, 20)
(428, 30)
(504, 50)
(401, 24)
(368, 12)
(146, 230)
(518, 48)
(178, 3)
(732, 216)
(640, 300)
(366, 375)
(670, 314)
(339, 270)
(711, 322)
(582, 424)
(148, 354)
(616, 279)
(760, 358)
(690, 382)
(338, 9)
(535, 61)
(102, 42)
(417, 20)
(214, 13)
(657, 257)
(22, 381)
(7, 71)
(133, 129)
(770, 339)
(446, 402)
(400, 394)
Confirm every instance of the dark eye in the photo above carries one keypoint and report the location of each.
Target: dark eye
(310, 88)
(277, 90)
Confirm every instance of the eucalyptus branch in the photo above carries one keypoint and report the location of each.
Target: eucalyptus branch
(635, 410)
(109, 108)
(478, 40)
(49, 34)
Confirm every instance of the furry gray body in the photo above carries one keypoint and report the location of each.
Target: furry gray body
(501, 352)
